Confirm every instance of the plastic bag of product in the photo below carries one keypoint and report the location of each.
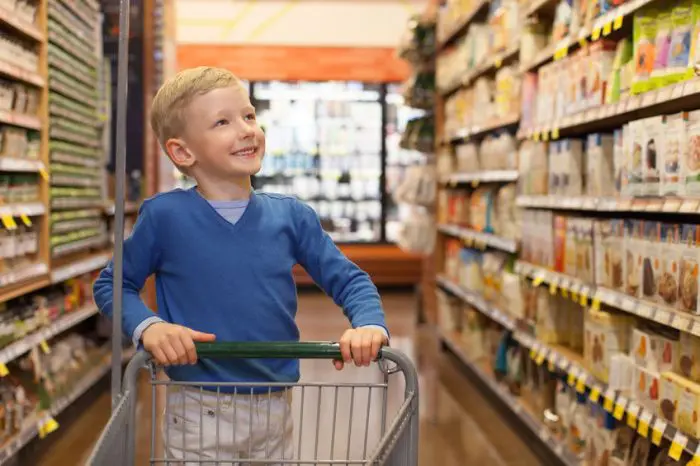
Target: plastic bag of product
(467, 156)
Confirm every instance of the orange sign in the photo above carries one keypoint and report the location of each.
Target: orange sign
(290, 63)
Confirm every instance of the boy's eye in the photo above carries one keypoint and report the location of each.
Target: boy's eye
(221, 122)
(250, 116)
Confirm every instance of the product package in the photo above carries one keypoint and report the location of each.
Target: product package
(652, 260)
(600, 165)
(670, 265)
(673, 148)
(689, 356)
(634, 251)
(606, 334)
(681, 38)
(645, 388)
(682, 403)
(645, 27)
(688, 286)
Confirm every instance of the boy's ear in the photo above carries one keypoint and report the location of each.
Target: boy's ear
(178, 153)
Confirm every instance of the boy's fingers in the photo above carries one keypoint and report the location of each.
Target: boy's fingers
(367, 349)
(201, 336)
(357, 349)
(189, 348)
(345, 348)
(377, 342)
(159, 356)
(338, 364)
(169, 353)
(179, 348)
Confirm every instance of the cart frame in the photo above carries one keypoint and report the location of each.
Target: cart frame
(397, 446)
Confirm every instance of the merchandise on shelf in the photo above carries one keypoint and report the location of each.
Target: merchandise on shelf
(75, 130)
(29, 313)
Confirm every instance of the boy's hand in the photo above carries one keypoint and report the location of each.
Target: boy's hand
(360, 345)
(172, 344)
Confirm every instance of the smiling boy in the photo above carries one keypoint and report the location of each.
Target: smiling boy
(222, 255)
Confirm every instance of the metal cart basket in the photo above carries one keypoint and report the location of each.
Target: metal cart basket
(333, 423)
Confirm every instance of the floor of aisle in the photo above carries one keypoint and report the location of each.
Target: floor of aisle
(458, 425)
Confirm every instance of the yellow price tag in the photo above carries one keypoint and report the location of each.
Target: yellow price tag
(574, 296)
(643, 428)
(596, 304)
(553, 288)
(498, 63)
(50, 426)
(540, 358)
(44, 174)
(555, 134)
(584, 299)
(536, 135)
(533, 353)
(45, 347)
(657, 432)
(564, 292)
(618, 22)
(596, 34)
(607, 28)
(537, 281)
(676, 450)
(631, 420)
(583, 42)
(4, 371)
(619, 412)
(571, 379)
(8, 222)
(475, 183)
(608, 404)
(694, 462)
(26, 220)
(581, 384)
(595, 394)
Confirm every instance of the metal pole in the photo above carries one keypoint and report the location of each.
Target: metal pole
(120, 172)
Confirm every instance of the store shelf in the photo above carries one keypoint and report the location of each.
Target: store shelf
(669, 99)
(20, 119)
(478, 239)
(30, 430)
(491, 176)
(11, 164)
(20, 74)
(609, 204)
(477, 130)
(609, 22)
(18, 348)
(22, 274)
(80, 245)
(515, 406)
(462, 25)
(30, 209)
(569, 363)
(679, 320)
(79, 267)
(622, 407)
(28, 30)
(478, 302)
(493, 63)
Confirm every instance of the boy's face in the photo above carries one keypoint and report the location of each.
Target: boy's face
(221, 135)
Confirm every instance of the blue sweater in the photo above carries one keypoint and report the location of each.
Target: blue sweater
(234, 279)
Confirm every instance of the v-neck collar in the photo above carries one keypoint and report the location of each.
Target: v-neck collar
(250, 208)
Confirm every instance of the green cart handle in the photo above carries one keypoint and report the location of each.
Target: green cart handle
(273, 350)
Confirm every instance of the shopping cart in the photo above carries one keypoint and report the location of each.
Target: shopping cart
(346, 423)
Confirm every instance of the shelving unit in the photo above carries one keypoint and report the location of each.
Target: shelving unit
(515, 94)
(54, 126)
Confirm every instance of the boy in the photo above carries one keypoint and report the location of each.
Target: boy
(223, 255)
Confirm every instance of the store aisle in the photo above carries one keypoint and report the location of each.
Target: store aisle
(458, 426)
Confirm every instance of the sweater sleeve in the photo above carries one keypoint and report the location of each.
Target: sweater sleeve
(140, 261)
(350, 287)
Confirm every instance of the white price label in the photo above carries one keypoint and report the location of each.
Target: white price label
(662, 316)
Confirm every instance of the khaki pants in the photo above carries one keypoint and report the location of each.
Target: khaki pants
(237, 427)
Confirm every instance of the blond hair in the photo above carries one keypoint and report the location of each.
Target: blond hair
(177, 92)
